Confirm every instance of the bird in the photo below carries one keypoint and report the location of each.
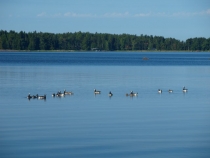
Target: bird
(131, 94)
(67, 93)
(96, 92)
(159, 91)
(29, 96)
(110, 94)
(59, 94)
(170, 91)
(42, 97)
(35, 96)
(184, 90)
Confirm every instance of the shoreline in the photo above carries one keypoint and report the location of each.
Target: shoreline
(74, 51)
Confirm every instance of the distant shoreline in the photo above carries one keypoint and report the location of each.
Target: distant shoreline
(85, 41)
(69, 51)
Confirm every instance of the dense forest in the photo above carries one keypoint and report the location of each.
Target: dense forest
(96, 41)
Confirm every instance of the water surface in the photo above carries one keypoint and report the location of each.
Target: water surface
(88, 125)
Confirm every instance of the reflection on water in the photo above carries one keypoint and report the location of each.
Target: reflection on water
(88, 125)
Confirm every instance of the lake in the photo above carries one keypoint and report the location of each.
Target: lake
(85, 125)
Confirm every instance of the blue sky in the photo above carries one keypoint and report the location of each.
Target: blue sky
(180, 19)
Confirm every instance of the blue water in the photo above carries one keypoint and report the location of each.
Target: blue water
(86, 125)
(105, 58)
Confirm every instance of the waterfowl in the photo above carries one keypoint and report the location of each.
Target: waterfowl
(110, 94)
(184, 90)
(170, 91)
(42, 97)
(53, 95)
(97, 92)
(29, 96)
(59, 94)
(67, 93)
(35, 96)
(131, 94)
(159, 91)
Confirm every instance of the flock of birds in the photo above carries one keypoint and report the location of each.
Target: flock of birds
(184, 90)
(110, 94)
(58, 94)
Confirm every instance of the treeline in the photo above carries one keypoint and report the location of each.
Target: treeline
(96, 41)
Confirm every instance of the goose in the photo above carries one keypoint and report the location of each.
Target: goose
(42, 97)
(131, 94)
(184, 90)
(170, 91)
(59, 94)
(97, 92)
(159, 91)
(66, 93)
(110, 94)
(29, 96)
(35, 96)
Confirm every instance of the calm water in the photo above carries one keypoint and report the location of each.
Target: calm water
(87, 125)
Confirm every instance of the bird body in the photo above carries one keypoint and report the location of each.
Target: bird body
(184, 90)
(96, 92)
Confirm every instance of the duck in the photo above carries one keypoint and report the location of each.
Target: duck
(53, 95)
(42, 97)
(159, 91)
(184, 90)
(170, 91)
(110, 94)
(67, 93)
(97, 92)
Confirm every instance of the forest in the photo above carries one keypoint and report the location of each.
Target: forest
(85, 41)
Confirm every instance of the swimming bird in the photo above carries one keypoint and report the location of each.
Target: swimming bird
(184, 90)
(131, 94)
(29, 96)
(159, 91)
(110, 94)
(68, 93)
(170, 91)
(96, 92)
(35, 96)
(59, 94)
(53, 95)
(42, 97)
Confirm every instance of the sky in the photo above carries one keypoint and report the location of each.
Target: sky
(180, 19)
